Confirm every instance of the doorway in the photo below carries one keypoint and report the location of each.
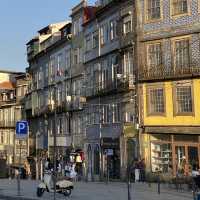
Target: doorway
(186, 159)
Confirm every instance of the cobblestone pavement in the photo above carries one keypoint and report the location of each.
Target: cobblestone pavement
(93, 191)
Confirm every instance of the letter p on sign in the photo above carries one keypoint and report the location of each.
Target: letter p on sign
(21, 129)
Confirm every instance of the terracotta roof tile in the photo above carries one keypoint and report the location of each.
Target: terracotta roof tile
(7, 85)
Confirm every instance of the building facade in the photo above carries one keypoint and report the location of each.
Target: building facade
(110, 89)
(49, 56)
(169, 63)
(12, 93)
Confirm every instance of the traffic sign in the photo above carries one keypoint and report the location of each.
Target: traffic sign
(21, 129)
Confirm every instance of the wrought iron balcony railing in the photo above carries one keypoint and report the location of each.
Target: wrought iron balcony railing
(160, 73)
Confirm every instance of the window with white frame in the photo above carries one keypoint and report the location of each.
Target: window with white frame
(106, 113)
(128, 63)
(113, 29)
(77, 26)
(156, 102)
(116, 113)
(179, 7)
(182, 53)
(127, 24)
(154, 55)
(153, 9)
(103, 34)
(184, 99)
(129, 117)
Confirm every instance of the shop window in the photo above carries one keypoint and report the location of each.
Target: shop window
(156, 104)
(153, 9)
(161, 137)
(182, 53)
(161, 157)
(154, 56)
(184, 100)
(179, 7)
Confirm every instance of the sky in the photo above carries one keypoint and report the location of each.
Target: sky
(20, 20)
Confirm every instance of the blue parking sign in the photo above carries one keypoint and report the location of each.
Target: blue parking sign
(21, 129)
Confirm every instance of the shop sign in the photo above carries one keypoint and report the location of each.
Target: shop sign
(110, 143)
(130, 131)
(109, 152)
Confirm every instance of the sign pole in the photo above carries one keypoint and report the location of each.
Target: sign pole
(21, 134)
(19, 172)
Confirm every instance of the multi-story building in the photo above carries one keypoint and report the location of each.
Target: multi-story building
(109, 88)
(12, 92)
(169, 63)
(49, 57)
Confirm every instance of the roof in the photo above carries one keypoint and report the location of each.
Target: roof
(7, 85)
(10, 72)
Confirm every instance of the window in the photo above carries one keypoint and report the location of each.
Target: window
(116, 113)
(103, 34)
(153, 9)
(179, 7)
(156, 103)
(127, 24)
(113, 31)
(129, 117)
(95, 39)
(106, 111)
(184, 99)
(77, 27)
(128, 63)
(60, 126)
(182, 53)
(76, 56)
(88, 43)
(154, 57)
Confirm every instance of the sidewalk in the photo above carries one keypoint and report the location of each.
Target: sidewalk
(94, 191)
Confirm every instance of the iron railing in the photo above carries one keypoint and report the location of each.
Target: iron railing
(168, 72)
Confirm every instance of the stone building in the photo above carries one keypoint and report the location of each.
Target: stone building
(111, 137)
(13, 87)
(169, 63)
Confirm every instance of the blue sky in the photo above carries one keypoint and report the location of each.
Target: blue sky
(20, 20)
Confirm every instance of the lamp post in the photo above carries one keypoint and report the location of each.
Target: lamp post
(54, 141)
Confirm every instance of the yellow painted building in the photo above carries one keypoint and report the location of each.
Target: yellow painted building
(171, 125)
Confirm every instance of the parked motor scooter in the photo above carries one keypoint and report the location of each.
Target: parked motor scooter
(62, 186)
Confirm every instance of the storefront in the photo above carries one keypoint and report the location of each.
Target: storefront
(172, 153)
(111, 157)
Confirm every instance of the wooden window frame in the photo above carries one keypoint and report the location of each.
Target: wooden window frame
(148, 44)
(174, 97)
(146, 18)
(181, 14)
(155, 86)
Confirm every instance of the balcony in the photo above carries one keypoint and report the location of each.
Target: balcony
(7, 124)
(75, 103)
(164, 73)
(122, 83)
(7, 102)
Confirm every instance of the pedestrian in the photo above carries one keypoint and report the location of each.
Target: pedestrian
(142, 170)
(137, 171)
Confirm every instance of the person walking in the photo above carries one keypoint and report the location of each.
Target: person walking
(142, 170)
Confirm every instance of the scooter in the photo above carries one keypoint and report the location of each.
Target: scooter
(64, 187)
